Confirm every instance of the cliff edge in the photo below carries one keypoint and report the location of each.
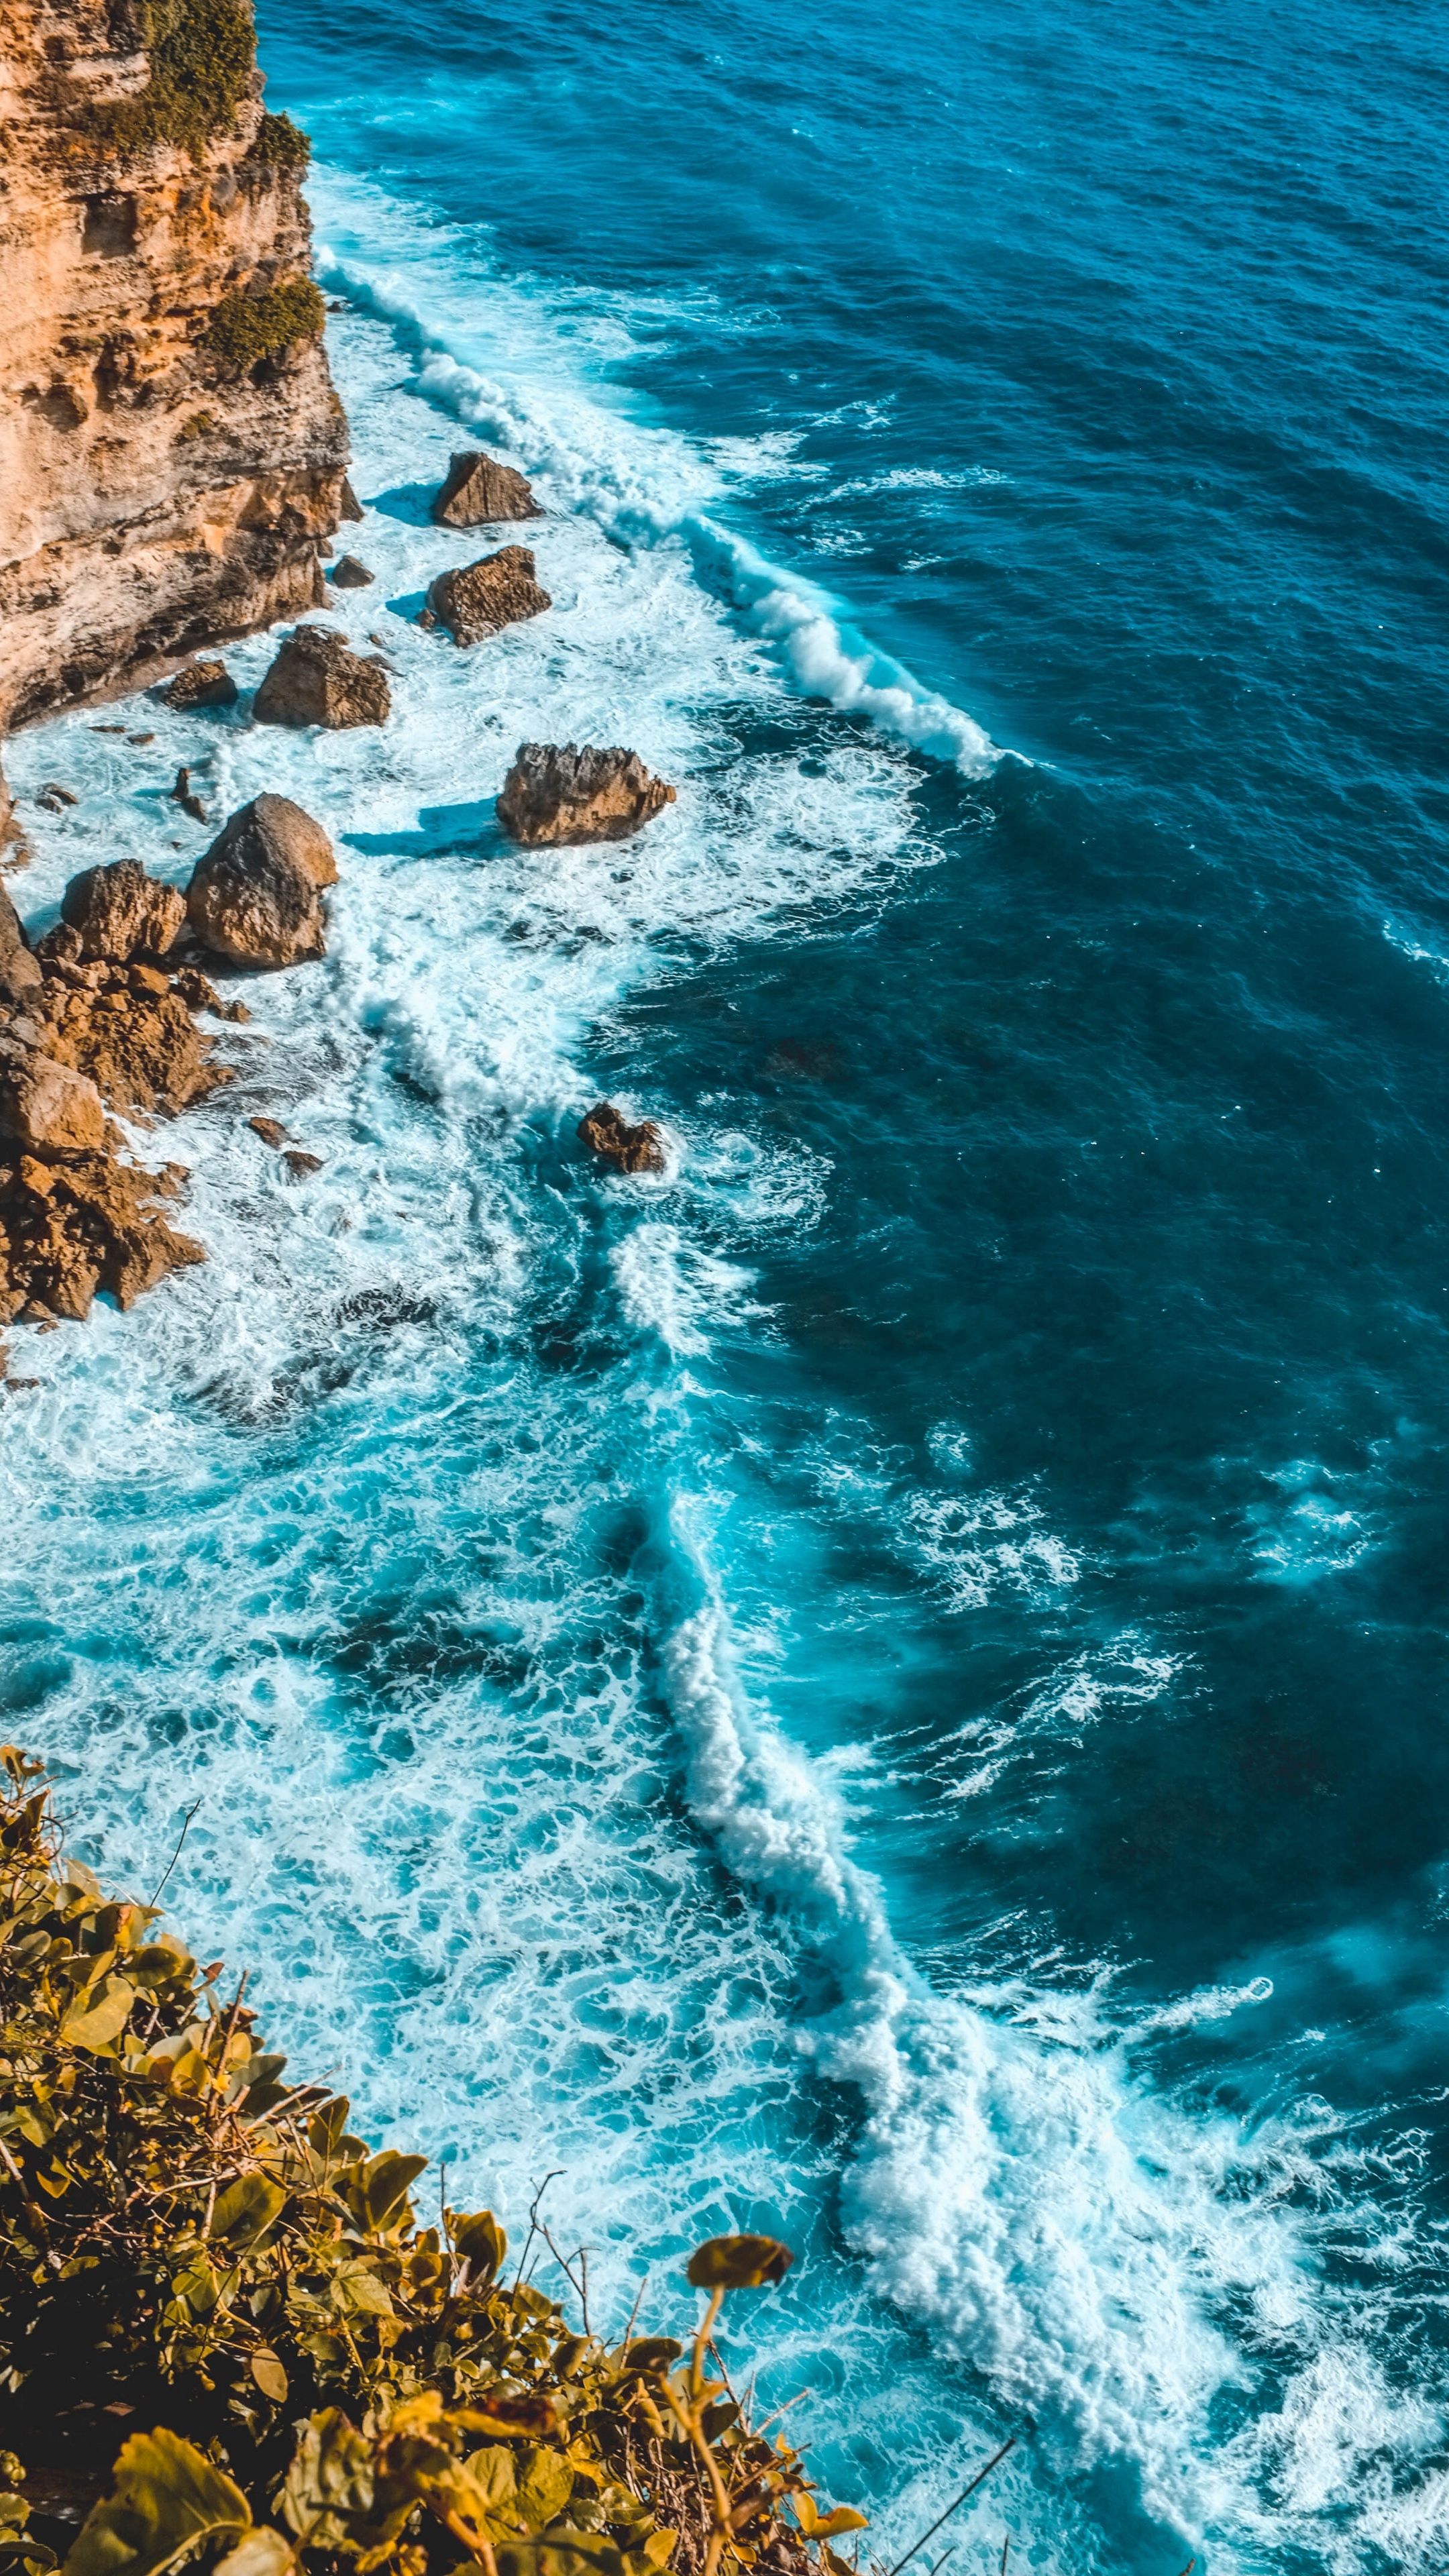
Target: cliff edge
(171, 446)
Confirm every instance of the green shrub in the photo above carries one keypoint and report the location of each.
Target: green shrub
(195, 2247)
(203, 54)
(281, 145)
(245, 328)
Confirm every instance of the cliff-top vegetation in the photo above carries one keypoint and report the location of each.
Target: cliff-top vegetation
(226, 2336)
(202, 55)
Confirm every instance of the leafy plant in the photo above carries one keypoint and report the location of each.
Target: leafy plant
(245, 328)
(202, 56)
(188, 2239)
(281, 145)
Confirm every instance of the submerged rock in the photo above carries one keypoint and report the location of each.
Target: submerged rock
(479, 598)
(561, 792)
(317, 679)
(607, 1133)
(349, 574)
(255, 895)
(119, 912)
(479, 489)
(201, 684)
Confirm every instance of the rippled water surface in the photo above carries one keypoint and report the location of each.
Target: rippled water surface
(891, 1683)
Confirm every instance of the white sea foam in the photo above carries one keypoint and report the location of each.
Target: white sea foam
(641, 485)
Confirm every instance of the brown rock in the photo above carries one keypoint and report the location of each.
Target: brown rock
(255, 894)
(349, 507)
(479, 598)
(316, 679)
(349, 574)
(153, 496)
(478, 489)
(301, 1166)
(137, 1044)
(67, 1229)
(46, 1107)
(607, 1133)
(120, 912)
(201, 684)
(270, 1130)
(199, 993)
(559, 792)
(20, 975)
(184, 795)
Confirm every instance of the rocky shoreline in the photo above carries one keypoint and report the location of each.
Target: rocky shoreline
(172, 468)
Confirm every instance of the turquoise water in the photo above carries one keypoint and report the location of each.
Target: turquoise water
(890, 1684)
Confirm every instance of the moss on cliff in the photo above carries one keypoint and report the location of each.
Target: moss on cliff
(192, 2243)
(203, 54)
(281, 145)
(247, 328)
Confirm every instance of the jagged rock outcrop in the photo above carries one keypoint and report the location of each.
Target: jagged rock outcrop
(118, 912)
(171, 447)
(559, 792)
(72, 1225)
(478, 489)
(20, 976)
(607, 1132)
(256, 895)
(479, 598)
(317, 679)
(45, 1106)
(201, 684)
(350, 573)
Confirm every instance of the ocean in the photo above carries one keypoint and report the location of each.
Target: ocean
(890, 1684)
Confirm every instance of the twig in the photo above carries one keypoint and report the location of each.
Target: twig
(176, 1855)
(954, 2507)
(533, 2221)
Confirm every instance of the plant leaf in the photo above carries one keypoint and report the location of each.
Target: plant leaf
(246, 2209)
(260, 2552)
(168, 2496)
(270, 2377)
(739, 2263)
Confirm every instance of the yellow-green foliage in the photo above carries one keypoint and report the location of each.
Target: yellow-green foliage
(281, 145)
(219, 2313)
(245, 328)
(203, 54)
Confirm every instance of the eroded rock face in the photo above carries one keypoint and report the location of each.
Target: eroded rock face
(561, 792)
(120, 912)
(317, 679)
(201, 684)
(607, 1132)
(255, 895)
(70, 1228)
(160, 488)
(20, 976)
(479, 489)
(46, 1107)
(479, 598)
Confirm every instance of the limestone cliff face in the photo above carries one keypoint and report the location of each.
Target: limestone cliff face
(171, 446)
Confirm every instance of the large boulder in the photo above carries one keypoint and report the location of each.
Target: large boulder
(317, 679)
(560, 792)
(479, 598)
(255, 895)
(478, 490)
(67, 1229)
(607, 1132)
(45, 1108)
(122, 913)
(201, 684)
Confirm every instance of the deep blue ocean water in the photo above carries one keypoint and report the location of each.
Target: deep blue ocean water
(891, 1685)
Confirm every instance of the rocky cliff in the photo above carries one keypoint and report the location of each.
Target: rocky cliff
(171, 447)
